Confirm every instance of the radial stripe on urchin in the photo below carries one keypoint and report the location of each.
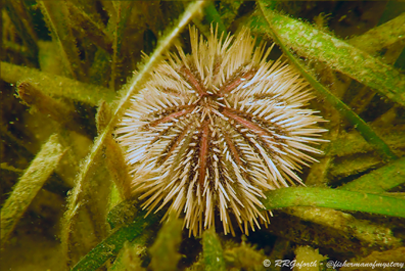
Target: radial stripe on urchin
(211, 131)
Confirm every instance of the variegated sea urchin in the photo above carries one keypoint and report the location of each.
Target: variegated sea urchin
(211, 131)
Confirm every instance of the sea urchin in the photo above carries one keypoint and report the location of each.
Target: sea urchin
(212, 130)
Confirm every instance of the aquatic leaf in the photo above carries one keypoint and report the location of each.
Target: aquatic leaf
(164, 251)
(314, 44)
(332, 198)
(212, 251)
(29, 184)
(55, 14)
(56, 86)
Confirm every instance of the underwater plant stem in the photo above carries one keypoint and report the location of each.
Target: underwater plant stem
(213, 16)
(130, 254)
(359, 124)
(86, 212)
(365, 130)
(55, 85)
(353, 143)
(115, 161)
(116, 28)
(380, 180)
(22, 21)
(90, 23)
(381, 36)
(110, 246)
(55, 15)
(312, 43)
(29, 185)
(347, 225)
(50, 107)
(213, 253)
(336, 199)
(164, 251)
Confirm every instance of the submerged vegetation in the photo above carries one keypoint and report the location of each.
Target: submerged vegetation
(68, 71)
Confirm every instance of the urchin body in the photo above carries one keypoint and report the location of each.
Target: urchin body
(211, 131)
